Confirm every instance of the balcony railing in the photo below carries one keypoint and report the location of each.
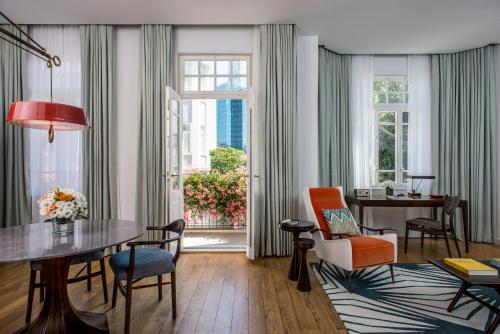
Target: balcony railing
(213, 222)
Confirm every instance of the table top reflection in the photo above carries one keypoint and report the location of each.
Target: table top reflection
(36, 242)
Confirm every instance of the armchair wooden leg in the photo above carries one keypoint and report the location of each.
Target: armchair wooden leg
(160, 285)
(447, 244)
(104, 281)
(89, 272)
(174, 297)
(42, 287)
(320, 266)
(348, 275)
(31, 292)
(128, 305)
(115, 288)
(391, 268)
(406, 239)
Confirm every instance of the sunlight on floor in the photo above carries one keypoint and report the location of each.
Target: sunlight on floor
(222, 240)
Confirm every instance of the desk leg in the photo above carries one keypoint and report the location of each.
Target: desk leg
(465, 223)
(361, 218)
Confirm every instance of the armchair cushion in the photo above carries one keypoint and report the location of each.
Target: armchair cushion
(368, 251)
(148, 262)
(341, 221)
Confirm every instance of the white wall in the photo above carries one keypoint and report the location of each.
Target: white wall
(127, 104)
(307, 116)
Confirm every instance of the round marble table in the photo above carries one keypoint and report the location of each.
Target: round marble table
(36, 242)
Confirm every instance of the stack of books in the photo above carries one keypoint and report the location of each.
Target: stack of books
(471, 267)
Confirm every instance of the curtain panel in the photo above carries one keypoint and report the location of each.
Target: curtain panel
(277, 108)
(156, 73)
(464, 134)
(335, 143)
(15, 197)
(57, 164)
(98, 101)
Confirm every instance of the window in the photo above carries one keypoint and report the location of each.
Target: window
(390, 95)
(205, 76)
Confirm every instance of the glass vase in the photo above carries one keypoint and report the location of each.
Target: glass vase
(61, 227)
(389, 191)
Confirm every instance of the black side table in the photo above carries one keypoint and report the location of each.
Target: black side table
(303, 245)
(296, 227)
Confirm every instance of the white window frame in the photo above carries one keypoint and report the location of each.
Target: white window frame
(398, 109)
(182, 57)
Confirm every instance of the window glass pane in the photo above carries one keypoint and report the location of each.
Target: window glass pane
(387, 147)
(395, 98)
(387, 117)
(405, 146)
(207, 84)
(405, 116)
(384, 176)
(190, 84)
(239, 83)
(405, 177)
(222, 67)
(379, 98)
(407, 97)
(406, 85)
(191, 67)
(396, 86)
(207, 67)
(379, 86)
(222, 84)
(239, 67)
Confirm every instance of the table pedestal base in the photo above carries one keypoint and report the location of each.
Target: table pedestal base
(57, 314)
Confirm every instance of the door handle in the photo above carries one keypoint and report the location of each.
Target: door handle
(255, 175)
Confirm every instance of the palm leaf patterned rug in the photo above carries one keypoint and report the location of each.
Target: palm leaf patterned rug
(415, 303)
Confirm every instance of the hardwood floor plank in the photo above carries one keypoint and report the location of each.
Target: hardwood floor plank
(256, 312)
(239, 319)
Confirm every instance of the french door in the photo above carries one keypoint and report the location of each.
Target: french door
(173, 162)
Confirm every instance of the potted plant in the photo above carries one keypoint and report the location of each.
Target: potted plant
(62, 207)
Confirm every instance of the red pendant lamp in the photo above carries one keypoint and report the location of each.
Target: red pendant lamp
(47, 116)
(37, 114)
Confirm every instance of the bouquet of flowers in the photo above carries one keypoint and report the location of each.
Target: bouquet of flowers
(62, 205)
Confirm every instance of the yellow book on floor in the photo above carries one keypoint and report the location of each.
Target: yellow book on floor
(471, 267)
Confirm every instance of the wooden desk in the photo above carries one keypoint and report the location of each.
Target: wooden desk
(407, 202)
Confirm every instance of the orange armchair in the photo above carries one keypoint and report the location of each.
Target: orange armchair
(349, 253)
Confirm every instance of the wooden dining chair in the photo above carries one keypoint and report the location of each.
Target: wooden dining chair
(86, 258)
(135, 264)
(436, 227)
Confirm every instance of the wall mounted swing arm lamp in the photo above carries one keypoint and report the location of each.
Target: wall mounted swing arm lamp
(43, 115)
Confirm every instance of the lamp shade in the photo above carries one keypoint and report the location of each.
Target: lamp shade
(47, 116)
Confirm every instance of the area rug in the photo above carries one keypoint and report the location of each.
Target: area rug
(416, 303)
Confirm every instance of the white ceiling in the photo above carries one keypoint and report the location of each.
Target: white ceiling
(347, 26)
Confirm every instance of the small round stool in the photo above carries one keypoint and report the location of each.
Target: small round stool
(303, 245)
(295, 227)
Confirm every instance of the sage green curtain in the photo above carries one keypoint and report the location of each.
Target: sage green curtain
(155, 75)
(464, 134)
(98, 100)
(15, 197)
(335, 143)
(277, 105)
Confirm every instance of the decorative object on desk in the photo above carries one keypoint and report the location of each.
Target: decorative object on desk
(389, 187)
(495, 262)
(361, 192)
(62, 207)
(437, 196)
(36, 114)
(471, 267)
(414, 190)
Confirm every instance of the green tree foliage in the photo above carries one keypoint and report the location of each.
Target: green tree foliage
(226, 159)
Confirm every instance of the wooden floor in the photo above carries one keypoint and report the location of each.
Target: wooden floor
(217, 293)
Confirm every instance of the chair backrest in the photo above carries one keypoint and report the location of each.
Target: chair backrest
(177, 226)
(317, 199)
(449, 207)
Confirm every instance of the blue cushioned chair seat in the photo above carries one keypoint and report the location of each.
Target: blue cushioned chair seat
(148, 262)
(77, 259)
